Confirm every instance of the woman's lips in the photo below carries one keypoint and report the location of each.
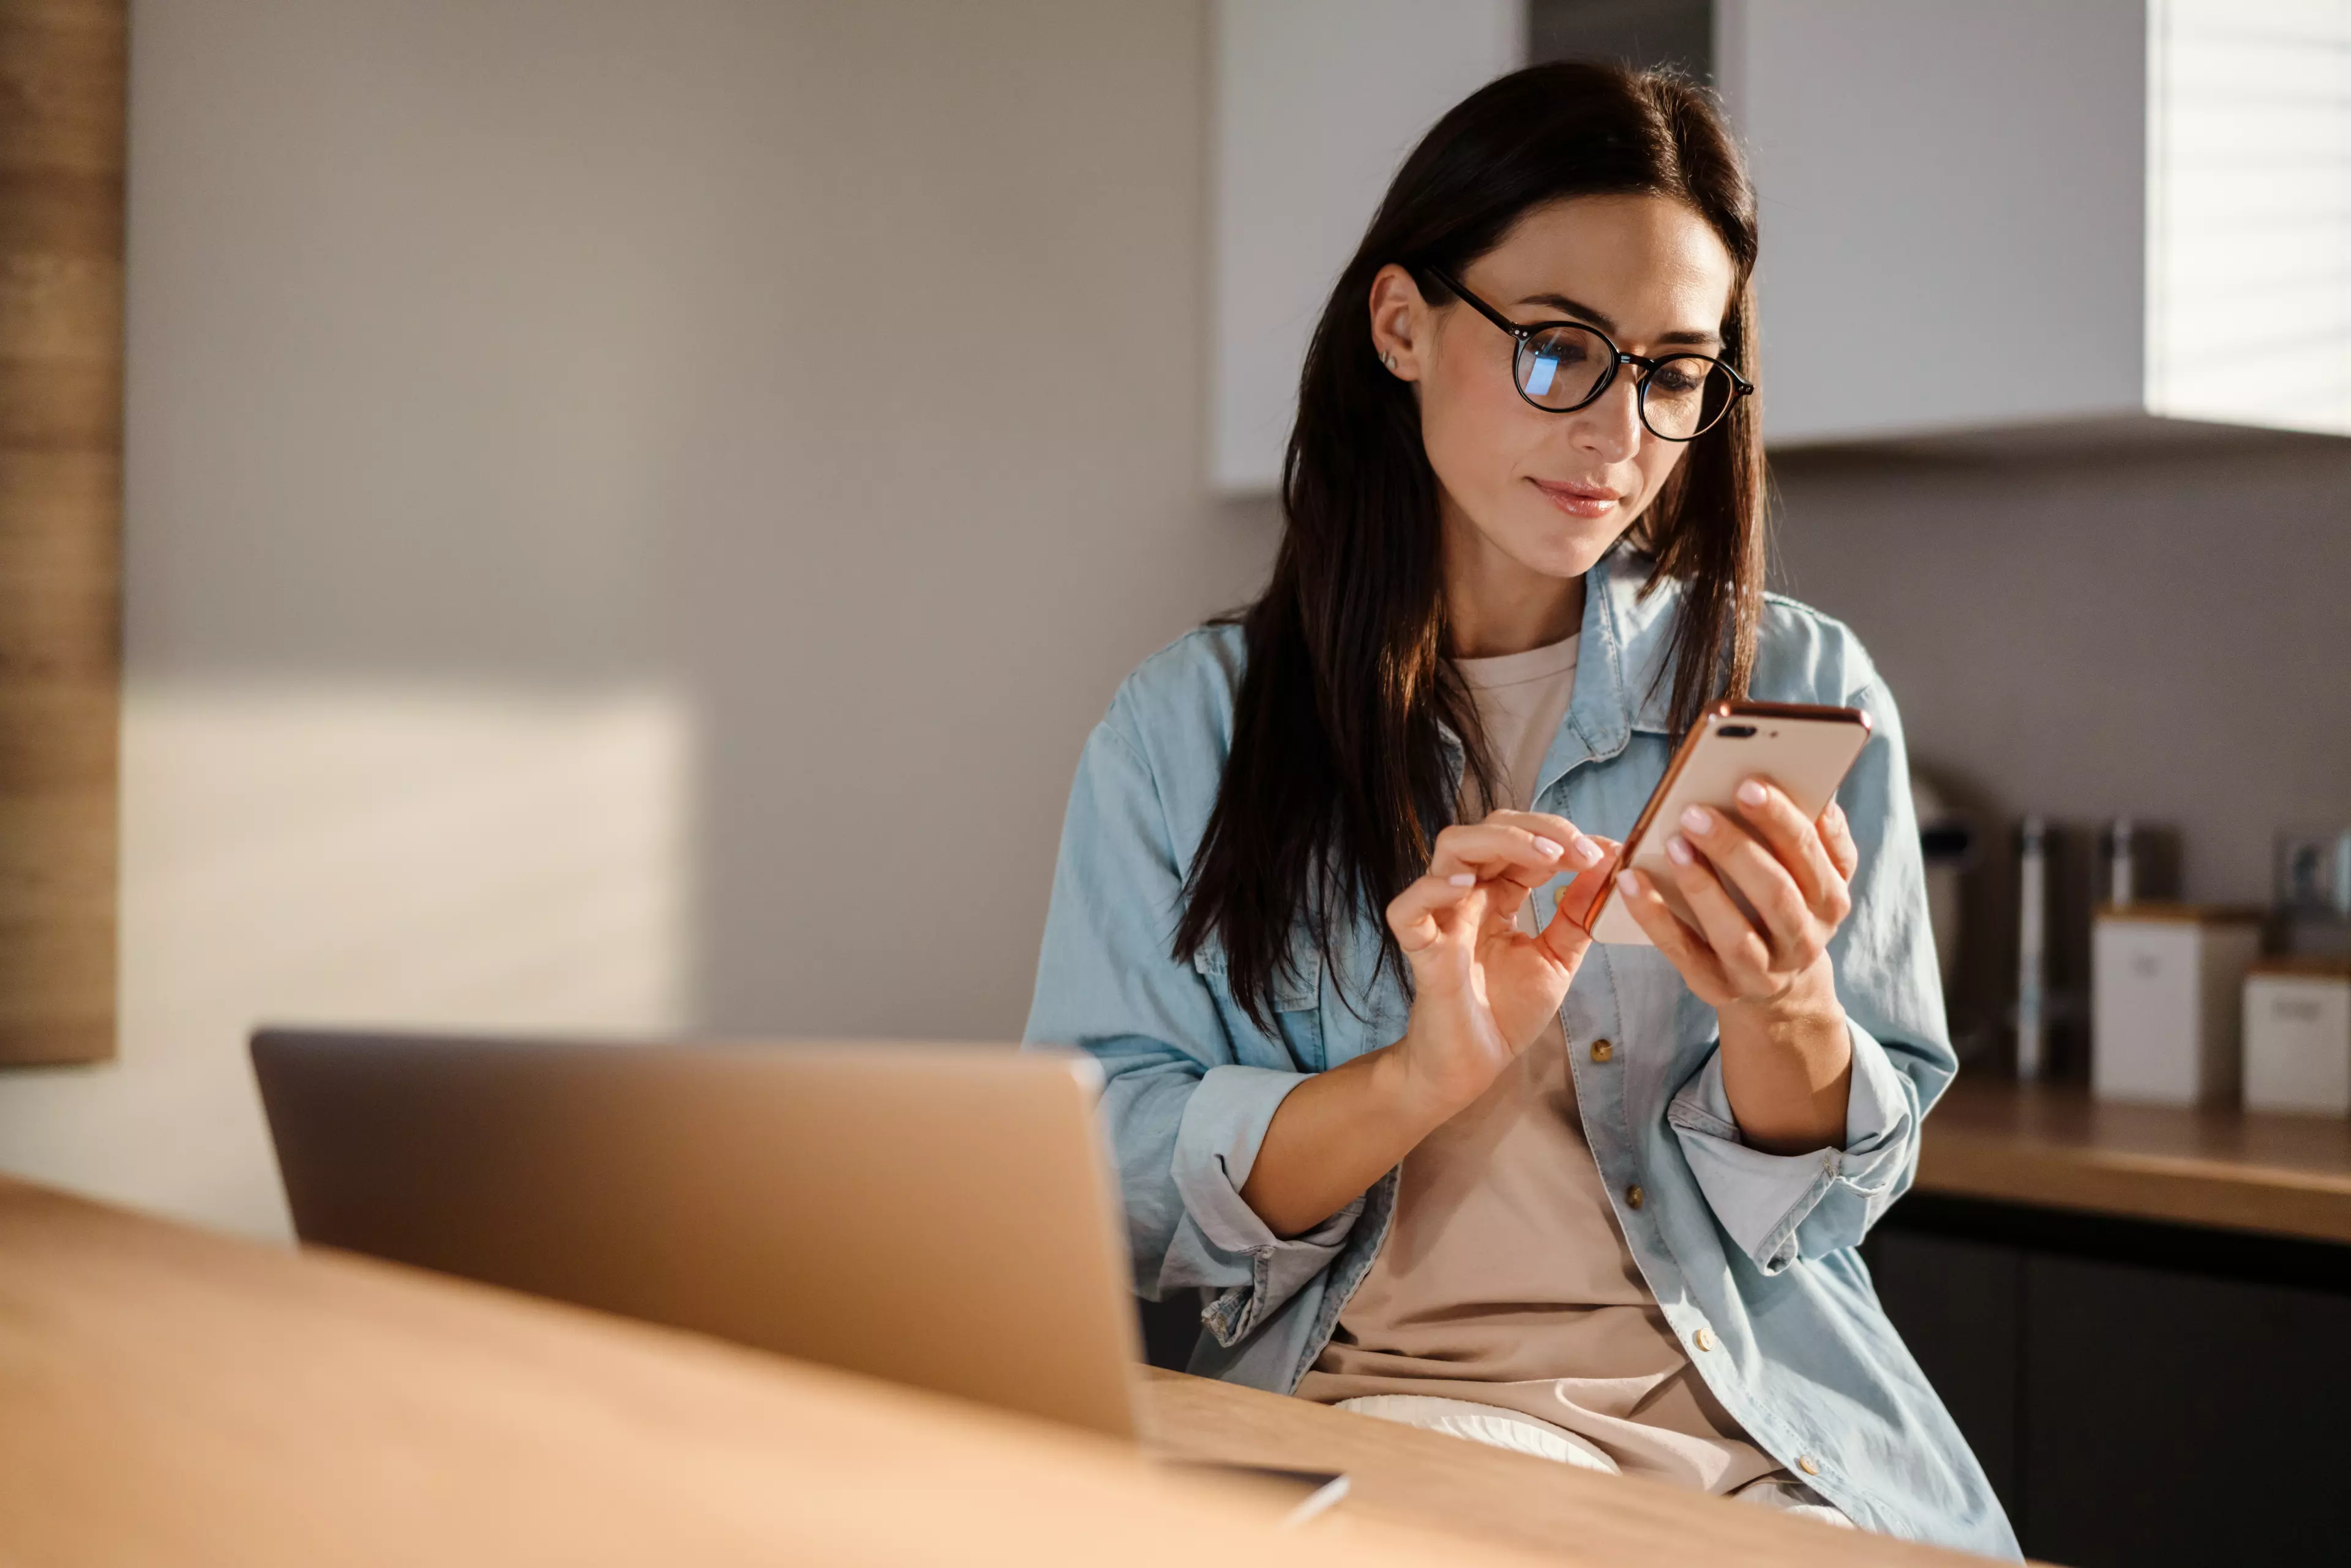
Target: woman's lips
(1579, 500)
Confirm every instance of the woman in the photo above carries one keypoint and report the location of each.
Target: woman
(1420, 1148)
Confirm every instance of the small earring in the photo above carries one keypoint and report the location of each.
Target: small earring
(1388, 360)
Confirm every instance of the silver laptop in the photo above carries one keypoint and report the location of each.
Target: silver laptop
(943, 1215)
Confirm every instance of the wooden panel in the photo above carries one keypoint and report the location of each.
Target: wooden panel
(178, 1397)
(2056, 1148)
(62, 83)
(1407, 1476)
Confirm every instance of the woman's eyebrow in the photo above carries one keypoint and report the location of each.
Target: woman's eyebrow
(1567, 307)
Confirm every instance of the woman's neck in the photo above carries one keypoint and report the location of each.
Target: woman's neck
(1495, 606)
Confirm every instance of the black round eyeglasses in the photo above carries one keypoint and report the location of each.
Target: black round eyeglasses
(1562, 366)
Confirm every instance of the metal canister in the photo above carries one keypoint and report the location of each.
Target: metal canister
(2118, 850)
(2031, 947)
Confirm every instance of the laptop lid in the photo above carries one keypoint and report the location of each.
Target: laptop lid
(940, 1215)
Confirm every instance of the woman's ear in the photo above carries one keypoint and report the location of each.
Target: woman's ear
(1402, 323)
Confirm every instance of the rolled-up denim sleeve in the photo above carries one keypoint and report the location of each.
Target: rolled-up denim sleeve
(1184, 1105)
(1780, 1207)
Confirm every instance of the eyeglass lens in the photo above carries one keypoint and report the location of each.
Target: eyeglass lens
(1560, 368)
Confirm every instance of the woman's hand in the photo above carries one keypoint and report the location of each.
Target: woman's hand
(1795, 876)
(1482, 988)
(1786, 1058)
(1482, 991)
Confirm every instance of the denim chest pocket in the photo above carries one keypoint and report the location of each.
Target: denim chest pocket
(1297, 1008)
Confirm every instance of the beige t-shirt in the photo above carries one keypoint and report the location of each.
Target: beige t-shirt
(1505, 1277)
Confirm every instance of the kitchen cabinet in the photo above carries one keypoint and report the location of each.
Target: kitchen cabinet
(2016, 219)
(2008, 223)
(2138, 1394)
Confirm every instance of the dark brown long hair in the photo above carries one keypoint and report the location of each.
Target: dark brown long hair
(1338, 779)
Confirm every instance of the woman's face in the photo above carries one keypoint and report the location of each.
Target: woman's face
(1551, 492)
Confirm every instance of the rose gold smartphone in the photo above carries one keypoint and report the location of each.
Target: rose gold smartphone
(1805, 751)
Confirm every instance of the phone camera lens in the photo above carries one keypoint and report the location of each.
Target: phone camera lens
(1736, 731)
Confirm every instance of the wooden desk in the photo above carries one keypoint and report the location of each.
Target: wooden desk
(1409, 1476)
(2056, 1148)
(170, 1396)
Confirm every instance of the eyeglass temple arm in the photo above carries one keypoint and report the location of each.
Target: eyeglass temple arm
(1479, 305)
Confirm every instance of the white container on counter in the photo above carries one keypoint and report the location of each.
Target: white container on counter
(2298, 1036)
(2166, 1021)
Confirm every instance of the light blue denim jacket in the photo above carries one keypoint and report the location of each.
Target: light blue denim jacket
(1757, 1248)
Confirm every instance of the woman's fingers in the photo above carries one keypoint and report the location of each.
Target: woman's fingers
(1567, 935)
(1526, 849)
(1836, 837)
(1576, 899)
(1773, 818)
(1494, 851)
(1743, 951)
(1683, 947)
(1770, 887)
(1418, 915)
(1492, 865)
(1584, 851)
(1800, 846)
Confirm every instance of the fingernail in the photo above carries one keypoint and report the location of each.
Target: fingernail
(1548, 849)
(1588, 853)
(1463, 879)
(1628, 881)
(1678, 850)
(1834, 811)
(1698, 821)
(1752, 793)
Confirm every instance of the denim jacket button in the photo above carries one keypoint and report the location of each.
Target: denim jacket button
(1809, 1465)
(1633, 1195)
(1703, 1339)
(1602, 1050)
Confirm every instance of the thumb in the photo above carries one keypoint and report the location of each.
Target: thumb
(1568, 941)
(1566, 935)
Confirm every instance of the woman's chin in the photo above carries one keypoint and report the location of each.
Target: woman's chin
(1564, 548)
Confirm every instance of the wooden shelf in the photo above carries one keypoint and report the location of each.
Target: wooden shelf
(2054, 1147)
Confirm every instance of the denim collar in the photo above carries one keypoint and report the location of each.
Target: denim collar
(1624, 646)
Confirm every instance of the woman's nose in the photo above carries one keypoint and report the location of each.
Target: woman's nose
(1610, 429)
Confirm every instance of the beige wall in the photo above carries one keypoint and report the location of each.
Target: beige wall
(2156, 632)
(632, 511)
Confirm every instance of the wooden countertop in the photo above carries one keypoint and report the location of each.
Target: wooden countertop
(172, 1395)
(2053, 1146)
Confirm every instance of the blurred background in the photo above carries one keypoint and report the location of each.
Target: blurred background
(629, 514)
(631, 510)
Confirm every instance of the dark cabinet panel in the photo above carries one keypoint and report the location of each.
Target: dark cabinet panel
(1956, 1301)
(2140, 1393)
(1170, 1329)
(2176, 1418)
